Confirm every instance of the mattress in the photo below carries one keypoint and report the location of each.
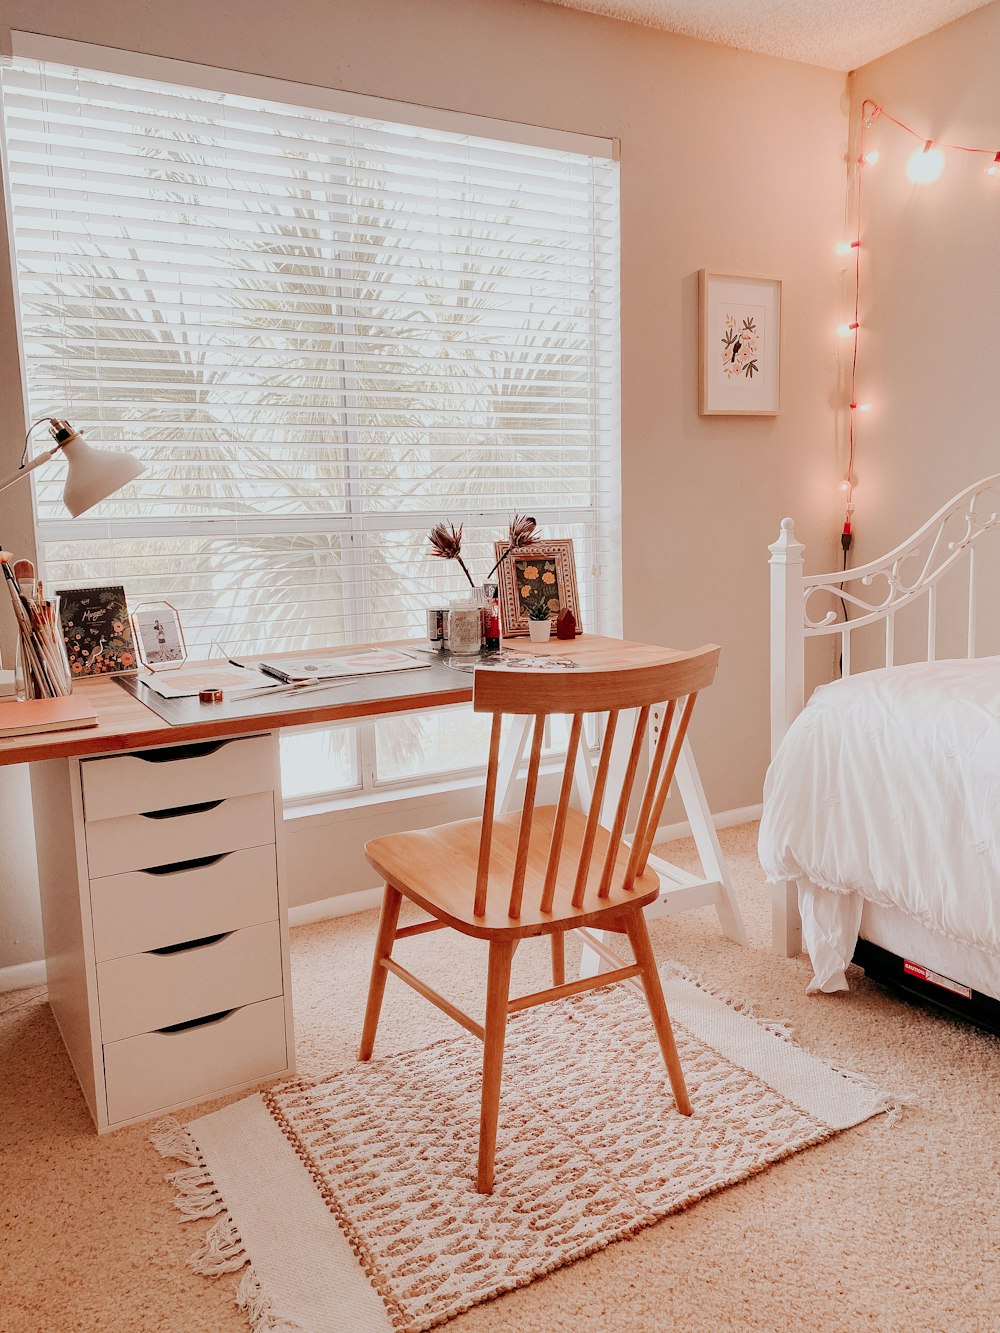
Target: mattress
(893, 930)
(886, 790)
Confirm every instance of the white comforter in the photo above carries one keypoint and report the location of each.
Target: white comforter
(887, 786)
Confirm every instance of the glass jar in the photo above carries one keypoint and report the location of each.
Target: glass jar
(49, 674)
(465, 628)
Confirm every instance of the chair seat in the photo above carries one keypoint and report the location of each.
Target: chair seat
(437, 867)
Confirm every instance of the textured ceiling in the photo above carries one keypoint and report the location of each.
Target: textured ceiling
(839, 34)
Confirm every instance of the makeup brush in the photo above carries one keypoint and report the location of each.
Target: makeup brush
(24, 575)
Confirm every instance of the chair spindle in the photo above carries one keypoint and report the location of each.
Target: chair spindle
(618, 827)
(559, 823)
(527, 813)
(649, 833)
(594, 815)
(486, 836)
(649, 795)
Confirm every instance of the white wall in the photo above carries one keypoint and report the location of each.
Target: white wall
(930, 285)
(729, 161)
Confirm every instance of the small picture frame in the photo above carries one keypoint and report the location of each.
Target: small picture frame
(544, 572)
(739, 345)
(96, 631)
(159, 636)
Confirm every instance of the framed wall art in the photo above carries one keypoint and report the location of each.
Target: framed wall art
(96, 631)
(739, 351)
(159, 636)
(543, 574)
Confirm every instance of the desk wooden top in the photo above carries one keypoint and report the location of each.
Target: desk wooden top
(123, 723)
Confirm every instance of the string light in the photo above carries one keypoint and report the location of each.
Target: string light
(925, 165)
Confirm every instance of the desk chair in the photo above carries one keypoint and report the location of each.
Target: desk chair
(546, 869)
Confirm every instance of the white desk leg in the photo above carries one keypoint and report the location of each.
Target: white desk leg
(692, 794)
(786, 923)
(591, 962)
(510, 762)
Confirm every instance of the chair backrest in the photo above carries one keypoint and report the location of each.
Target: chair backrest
(542, 694)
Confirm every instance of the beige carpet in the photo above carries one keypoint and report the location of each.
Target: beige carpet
(890, 1227)
(379, 1158)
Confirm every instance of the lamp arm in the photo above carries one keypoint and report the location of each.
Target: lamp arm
(25, 468)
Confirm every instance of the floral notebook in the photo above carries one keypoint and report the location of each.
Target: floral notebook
(96, 631)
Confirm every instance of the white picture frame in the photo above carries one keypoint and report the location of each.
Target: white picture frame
(159, 636)
(739, 344)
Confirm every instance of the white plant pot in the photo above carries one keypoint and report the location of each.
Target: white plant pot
(539, 630)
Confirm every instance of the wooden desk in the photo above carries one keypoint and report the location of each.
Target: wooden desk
(161, 870)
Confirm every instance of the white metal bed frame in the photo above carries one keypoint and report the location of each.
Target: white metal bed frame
(949, 541)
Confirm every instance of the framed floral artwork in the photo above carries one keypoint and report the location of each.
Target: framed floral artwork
(543, 574)
(96, 631)
(739, 345)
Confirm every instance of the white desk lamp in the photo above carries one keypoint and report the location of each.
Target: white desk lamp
(91, 474)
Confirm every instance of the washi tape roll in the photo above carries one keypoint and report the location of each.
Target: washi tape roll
(210, 696)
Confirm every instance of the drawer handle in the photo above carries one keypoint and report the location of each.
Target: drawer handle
(197, 1022)
(192, 944)
(179, 810)
(175, 752)
(178, 867)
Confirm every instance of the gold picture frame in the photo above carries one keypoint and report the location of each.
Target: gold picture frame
(546, 570)
(739, 345)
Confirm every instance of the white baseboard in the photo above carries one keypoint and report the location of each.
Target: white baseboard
(21, 975)
(744, 814)
(344, 904)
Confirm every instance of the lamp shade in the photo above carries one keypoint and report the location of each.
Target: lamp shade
(94, 474)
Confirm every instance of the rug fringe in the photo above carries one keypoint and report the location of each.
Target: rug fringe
(889, 1104)
(222, 1250)
(171, 1139)
(251, 1299)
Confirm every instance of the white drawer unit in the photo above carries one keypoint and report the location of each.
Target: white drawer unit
(173, 775)
(183, 832)
(145, 991)
(182, 900)
(166, 923)
(196, 1060)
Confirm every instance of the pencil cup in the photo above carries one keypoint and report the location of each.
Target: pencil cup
(41, 668)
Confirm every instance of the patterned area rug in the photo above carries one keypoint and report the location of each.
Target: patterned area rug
(350, 1202)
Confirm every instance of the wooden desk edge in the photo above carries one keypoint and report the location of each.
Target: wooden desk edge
(126, 724)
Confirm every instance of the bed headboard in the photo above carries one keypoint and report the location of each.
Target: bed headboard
(840, 603)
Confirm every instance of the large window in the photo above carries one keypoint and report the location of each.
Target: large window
(322, 332)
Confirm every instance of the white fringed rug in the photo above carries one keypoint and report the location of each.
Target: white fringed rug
(351, 1204)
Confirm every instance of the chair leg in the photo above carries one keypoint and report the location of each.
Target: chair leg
(558, 957)
(497, 994)
(635, 925)
(391, 902)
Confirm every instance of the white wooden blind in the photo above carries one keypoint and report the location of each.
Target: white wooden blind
(321, 332)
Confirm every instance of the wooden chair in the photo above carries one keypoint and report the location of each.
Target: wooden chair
(546, 869)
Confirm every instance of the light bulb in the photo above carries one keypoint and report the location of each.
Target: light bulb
(864, 407)
(845, 330)
(925, 164)
(870, 158)
(845, 486)
(994, 168)
(845, 247)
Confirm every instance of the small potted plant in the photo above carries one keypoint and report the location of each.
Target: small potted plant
(539, 623)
